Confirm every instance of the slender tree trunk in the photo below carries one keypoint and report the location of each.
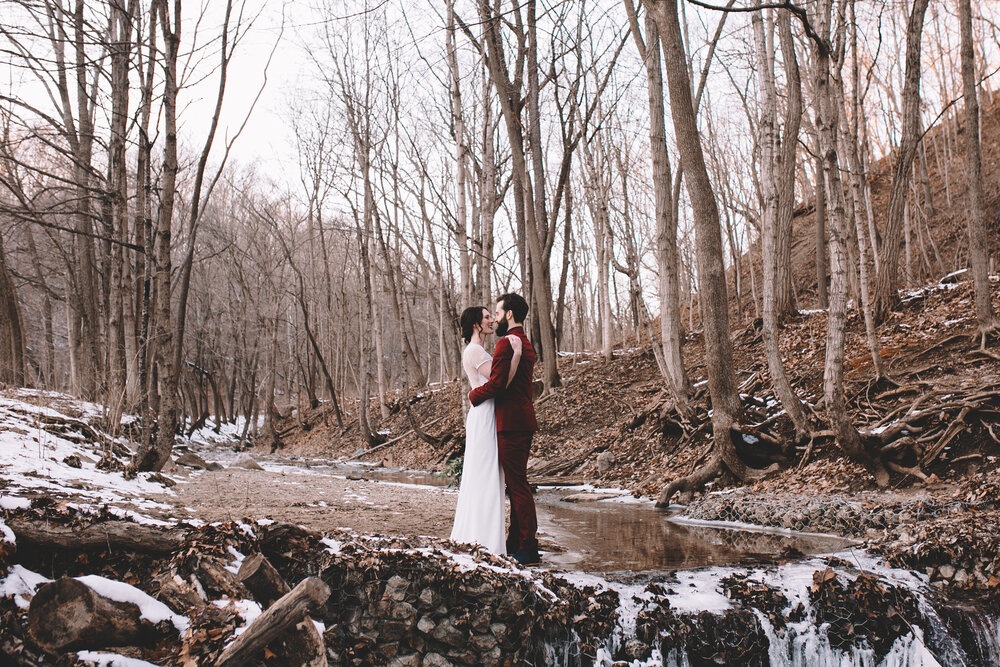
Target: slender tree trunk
(784, 290)
(526, 208)
(666, 221)
(461, 159)
(771, 171)
(726, 407)
(152, 456)
(846, 434)
(886, 282)
(979, 241)
(119, 301)
(11, 335)
(820, 234)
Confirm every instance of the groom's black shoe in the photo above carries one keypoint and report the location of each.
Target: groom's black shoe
(527, 556)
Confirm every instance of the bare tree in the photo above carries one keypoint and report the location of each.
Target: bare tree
(666, 220)
(773, 173)
(888, 264)
(713, 298)
(11, 338)
(979, 246)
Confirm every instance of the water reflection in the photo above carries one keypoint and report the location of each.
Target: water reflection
(617, 537)
(607, 536)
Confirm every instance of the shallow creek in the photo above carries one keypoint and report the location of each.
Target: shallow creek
(624, 534)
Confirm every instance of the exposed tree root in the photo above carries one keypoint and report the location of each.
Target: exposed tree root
(691, 482)
(915, 471)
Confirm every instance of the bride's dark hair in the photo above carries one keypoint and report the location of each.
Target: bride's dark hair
(471, 316)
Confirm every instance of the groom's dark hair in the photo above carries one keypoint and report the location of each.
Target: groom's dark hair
(516, 304)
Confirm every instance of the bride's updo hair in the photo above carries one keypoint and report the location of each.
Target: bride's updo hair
(471, 316)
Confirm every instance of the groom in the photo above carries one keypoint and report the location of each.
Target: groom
(516, 424)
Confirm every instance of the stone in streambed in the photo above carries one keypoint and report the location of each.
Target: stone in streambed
(589, 497)
(605, 462)
(410, 660)
(246, 462)
(192, 460)
(395, 588)
(426, 625)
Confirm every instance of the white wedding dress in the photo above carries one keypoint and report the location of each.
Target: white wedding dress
(479, 515)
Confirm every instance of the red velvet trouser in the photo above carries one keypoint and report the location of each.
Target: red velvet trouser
(512, 447)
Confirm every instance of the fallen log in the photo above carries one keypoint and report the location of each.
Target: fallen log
(303, 646)
(103, 535)
(69, 615)
(262, 580)
(310, 595)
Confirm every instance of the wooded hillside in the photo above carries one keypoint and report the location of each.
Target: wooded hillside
(634, 169)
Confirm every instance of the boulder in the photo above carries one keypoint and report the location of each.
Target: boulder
(605, 462)
(246, 462)
(192, 460)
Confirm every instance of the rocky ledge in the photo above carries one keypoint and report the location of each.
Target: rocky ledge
(422, 601)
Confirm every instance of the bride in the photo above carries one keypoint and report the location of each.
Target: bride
(479, 515)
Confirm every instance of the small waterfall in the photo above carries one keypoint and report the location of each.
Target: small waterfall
(805, 644)
(817, 613)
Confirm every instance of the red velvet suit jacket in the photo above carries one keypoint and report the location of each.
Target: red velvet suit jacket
(514, 408)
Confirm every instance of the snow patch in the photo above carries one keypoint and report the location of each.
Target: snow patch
(102, 659)
(20, 584)
(150, 608)
(332, 546)
(14, 503)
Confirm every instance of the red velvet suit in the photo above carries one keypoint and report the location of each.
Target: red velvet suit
(516, 425)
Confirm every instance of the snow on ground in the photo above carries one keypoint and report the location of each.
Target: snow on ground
(225, 433)
(102, 659)
(35, 453)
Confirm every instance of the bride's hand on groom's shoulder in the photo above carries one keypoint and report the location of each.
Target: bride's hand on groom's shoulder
(515, 342)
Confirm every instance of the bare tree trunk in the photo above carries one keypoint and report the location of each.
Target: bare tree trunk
(820, 233)
(526, 209)
(979, 250)
(666, 221)
(152, 455)
(49, 359)
(784, 290)
(726, 407)
(772, 169)
(461, 159)
(142, 358)
(120, 34)
(846, 434)
(11, 337)
(488, 202)
(886, 282)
